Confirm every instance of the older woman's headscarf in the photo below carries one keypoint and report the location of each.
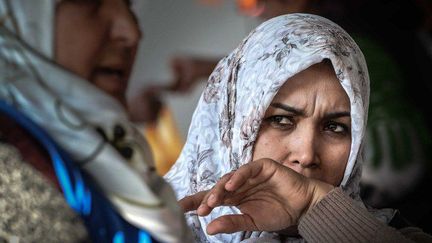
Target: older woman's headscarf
(227, 120)
(73, 112)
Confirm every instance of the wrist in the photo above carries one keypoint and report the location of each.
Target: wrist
(318, 190)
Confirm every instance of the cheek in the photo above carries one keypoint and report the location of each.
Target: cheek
(77, 56)
(268, 146)
(77, 50)
(334, 163)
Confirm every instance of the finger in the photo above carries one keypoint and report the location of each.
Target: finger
(231, 223)
(218, 192)
(212, 198)
(192, 202)
(176, 64)
(204, 209)
(242, 175)
(263, 170)
(252, 174)
(175, 84)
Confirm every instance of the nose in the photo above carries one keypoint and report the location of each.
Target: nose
(125, 28)
(301, 152)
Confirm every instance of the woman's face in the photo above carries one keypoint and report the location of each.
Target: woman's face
(97, 40)
(308, 126)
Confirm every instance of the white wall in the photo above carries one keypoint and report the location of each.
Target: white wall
(184, 27)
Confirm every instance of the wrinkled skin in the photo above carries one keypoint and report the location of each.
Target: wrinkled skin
(262, 184)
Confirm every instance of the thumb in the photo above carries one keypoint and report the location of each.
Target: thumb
(192, 202)
(231, 223)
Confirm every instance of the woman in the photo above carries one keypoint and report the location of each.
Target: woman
(293, 99)
(398, 139)
(62, 93)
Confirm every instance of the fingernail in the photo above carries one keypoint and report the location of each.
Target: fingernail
(201, 207)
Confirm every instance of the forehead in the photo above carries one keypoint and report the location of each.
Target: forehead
(317, 80)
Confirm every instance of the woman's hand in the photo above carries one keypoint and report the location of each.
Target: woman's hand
(189, 70)
(271, 197)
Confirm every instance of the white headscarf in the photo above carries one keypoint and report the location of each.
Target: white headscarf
(228, 116)
(70, 108)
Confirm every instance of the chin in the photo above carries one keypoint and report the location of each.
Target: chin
(120, 98)
(117, 94)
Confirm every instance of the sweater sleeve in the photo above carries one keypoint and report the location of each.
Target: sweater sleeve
(337, 218)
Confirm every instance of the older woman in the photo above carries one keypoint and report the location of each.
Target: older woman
(64, 67)
(282, 122)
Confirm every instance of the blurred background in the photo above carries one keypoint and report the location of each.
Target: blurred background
(191, 28)
(183, 40)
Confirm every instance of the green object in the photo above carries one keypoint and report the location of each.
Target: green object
(395, 125)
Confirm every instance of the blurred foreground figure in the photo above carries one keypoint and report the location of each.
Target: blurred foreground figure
(66, 141)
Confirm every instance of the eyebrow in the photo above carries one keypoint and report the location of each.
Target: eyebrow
(334, 115)
(299, 112)
(288, 108)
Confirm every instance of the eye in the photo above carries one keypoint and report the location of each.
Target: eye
(280, 122)
(336, 127)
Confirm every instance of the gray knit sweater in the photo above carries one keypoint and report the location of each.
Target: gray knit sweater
(31, 208)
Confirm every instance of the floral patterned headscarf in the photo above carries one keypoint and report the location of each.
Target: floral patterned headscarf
(227, 119)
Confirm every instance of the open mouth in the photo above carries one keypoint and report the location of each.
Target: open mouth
(111, 80)
(107, 71)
